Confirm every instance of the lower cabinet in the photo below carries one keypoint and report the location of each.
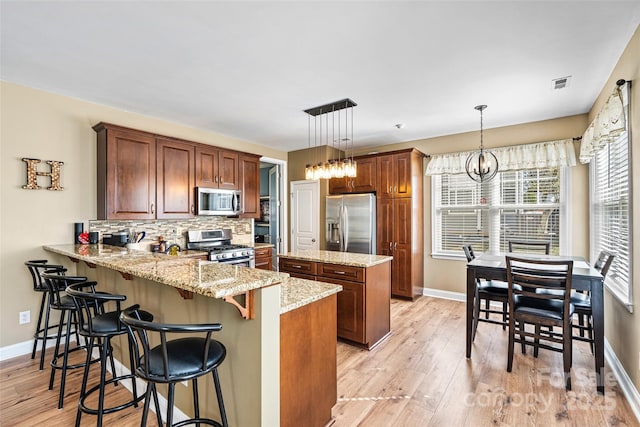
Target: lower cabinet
(263, 258)
(363, 304)
(308, 371)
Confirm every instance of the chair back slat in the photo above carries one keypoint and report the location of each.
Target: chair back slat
(534, 276)
(56, 286)
(604, 261)
(38, 267)
(468, 252)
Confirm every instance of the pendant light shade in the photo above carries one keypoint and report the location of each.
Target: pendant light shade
(481, 166)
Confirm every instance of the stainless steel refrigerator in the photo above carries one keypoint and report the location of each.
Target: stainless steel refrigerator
(351, 223)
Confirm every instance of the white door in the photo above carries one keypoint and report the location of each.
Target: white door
(305, 215)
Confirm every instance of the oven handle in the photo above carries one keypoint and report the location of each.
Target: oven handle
(237, 261)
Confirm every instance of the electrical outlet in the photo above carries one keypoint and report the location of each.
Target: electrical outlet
(25, 317)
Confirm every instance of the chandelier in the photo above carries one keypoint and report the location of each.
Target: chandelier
(481, 166)
(332, 126)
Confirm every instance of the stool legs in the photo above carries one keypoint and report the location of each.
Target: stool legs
(223, 413)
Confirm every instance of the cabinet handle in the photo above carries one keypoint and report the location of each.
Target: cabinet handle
(296, 266)
(395, 246)
(338, 272)
(193, 210)
(152, 211)
(390, 246)
(220, 179)
(215, 179)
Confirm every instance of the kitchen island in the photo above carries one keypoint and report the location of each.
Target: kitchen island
(364, 316)
(183, 289)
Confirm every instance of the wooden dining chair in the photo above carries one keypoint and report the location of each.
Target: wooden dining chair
(528, 305)
(582, 303)
(487, 291)
(530, 246)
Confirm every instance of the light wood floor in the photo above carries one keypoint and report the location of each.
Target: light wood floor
(418, 377)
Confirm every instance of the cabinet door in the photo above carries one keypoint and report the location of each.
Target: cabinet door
(339, 185)
(206, 166)
(384, 226)
(402, 174)
(126, 173)
(228, 168)
(401, 264)
(384, 176)
(365, 180)
(250, 186)
(351, 321)
(174, 179)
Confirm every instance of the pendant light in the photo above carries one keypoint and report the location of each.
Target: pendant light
(341, 115)
(481, 166)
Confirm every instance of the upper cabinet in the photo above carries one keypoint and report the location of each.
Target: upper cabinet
(395, 173)
(250, 185)
(174, 178)
(364, 182)
(216, 168)
(146, 176)
(126, 173)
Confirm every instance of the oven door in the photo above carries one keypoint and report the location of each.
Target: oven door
(242, 262)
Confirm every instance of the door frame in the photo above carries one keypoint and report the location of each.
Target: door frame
(284, 201)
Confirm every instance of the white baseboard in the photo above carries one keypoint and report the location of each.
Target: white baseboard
(628, 388)
(438, 293)
(25, 347)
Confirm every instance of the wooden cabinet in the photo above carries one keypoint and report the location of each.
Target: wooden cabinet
(364, 182)
(126, 173)
(396, 173)
(363, 303)
(308, 368)
(174, 179)
(400, 220)
(141, 175)
(217, 168)
(250, 185)
(264, 258)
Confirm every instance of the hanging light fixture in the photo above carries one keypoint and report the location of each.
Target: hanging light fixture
(481, 166)
(341, 115)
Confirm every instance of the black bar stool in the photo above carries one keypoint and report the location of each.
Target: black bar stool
(36, 268)
(59, 300)
(94, 323)
(176, 360)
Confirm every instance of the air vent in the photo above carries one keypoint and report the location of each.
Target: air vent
(560, 83)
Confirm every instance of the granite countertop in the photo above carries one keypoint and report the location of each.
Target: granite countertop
(332, 257)
(183, 272)
(263, 245)
(295, 293)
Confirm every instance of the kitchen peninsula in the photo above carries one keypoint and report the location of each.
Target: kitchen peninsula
(184, 289)
(364, 316)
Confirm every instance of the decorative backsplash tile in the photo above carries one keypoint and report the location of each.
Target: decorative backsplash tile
(175, 231)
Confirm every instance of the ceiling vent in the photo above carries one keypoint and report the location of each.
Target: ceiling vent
(560, 83)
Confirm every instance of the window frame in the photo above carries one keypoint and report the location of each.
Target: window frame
(564, 213)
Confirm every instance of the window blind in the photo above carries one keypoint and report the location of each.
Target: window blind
(611, 213)
(515, 205)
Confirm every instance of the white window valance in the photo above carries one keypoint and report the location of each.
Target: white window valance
(605, 128)
(517, 157)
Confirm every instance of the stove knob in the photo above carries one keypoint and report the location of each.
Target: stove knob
(245, 252)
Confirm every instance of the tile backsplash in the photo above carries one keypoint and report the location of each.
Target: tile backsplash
(175, 231)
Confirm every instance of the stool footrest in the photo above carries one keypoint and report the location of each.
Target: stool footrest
(134, 402)
(197, 421)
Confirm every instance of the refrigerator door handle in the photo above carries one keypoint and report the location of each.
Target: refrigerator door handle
(345, 229)
(340, 229)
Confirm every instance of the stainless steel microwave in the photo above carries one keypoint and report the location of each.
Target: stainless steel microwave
(215, 201)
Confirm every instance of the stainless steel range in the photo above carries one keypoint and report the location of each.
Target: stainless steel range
(218, 244)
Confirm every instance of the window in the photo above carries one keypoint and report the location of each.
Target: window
(611, 213)
(515, 205)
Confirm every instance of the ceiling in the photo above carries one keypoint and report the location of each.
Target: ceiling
(249, 69)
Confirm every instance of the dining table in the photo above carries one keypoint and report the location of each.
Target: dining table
(583, 278)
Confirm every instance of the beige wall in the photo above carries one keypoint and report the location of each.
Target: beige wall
(45, 126)
(622, 328)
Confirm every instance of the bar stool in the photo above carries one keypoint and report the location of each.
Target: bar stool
(176, 360)
(36, 268)
(58, 300)
(94, 323)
